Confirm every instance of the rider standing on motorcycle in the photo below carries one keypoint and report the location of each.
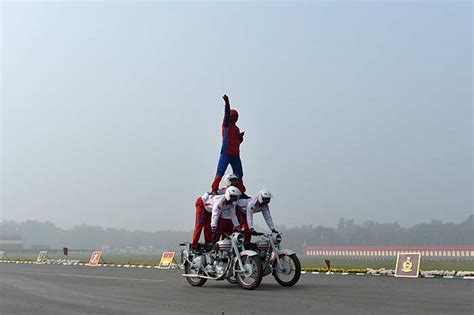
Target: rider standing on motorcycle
(246, 209)
(230, 150)
(223, 217)
(203, 213)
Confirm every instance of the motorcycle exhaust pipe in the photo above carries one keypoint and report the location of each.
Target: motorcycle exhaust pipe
(199, 276)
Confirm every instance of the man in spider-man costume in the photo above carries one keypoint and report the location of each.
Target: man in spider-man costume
(230, 150)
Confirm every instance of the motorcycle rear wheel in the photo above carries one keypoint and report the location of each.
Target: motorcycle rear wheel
(251, 277)
(291, 276)
(195, 282)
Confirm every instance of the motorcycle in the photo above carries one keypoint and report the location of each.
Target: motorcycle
(284, 265)
(226, 259)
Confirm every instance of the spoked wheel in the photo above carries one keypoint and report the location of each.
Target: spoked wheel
(250, 277)
(290, 272)
(195, 282)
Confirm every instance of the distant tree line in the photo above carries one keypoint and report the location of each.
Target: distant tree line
(89, 237)
(373, 233)
(347, 232)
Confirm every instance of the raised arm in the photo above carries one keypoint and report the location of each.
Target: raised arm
(226, 121)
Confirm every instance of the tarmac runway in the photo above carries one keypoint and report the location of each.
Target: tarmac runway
(58, 289)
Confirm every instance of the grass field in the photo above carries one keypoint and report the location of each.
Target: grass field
(306, 262)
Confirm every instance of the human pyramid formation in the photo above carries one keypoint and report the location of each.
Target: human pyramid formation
(226, 209)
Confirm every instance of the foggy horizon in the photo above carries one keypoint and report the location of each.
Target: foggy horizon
(261, 225)
(111, 112)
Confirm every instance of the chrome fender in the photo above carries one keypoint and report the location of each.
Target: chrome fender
(248, 253)
(287, 252)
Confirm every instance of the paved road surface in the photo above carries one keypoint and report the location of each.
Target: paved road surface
(57, 289)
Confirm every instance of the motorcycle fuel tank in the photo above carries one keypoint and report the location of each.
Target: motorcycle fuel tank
(225, 245)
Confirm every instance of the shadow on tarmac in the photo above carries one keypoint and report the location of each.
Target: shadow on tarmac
(263, 287)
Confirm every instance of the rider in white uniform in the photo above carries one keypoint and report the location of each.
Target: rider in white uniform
(248, 207)
(223, 211)
(203, 212)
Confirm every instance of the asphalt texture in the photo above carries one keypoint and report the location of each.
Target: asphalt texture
(57, 289)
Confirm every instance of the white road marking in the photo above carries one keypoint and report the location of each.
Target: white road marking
(88, 276)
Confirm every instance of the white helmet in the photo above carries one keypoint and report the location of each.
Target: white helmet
(232, 193)
(264, 194)
(230, 177)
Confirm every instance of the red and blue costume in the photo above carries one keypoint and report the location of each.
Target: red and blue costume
(230, 150)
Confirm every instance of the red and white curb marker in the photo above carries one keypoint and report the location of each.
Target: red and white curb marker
(466, 275)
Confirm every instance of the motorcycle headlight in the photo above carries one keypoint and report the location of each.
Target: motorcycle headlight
(238, 238)
(277, 238)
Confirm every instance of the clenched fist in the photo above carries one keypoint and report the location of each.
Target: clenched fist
(226, 98)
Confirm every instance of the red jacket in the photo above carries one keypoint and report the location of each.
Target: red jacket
(231, 136)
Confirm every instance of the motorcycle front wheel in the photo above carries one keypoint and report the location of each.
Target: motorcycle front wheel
(195, 282)
(251, 276)
(290, 272)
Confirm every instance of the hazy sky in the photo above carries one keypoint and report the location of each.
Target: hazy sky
(111, 113)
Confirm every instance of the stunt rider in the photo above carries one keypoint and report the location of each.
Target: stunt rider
(205, 206)
(203, 217)
(230, 149)
(246, 209)
(224, 218)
